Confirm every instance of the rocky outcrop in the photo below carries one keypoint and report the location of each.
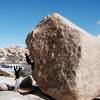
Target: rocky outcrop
(13, 54)
(67, 59)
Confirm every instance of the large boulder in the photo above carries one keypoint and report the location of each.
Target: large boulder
(67, 59)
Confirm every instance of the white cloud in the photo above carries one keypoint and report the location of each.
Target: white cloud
(98, 22)
(98, 35)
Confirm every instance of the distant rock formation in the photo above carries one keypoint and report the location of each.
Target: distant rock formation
(13, 54)
(67, 59)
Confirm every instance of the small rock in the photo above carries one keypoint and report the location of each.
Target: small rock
(3, 87)
(26, 82)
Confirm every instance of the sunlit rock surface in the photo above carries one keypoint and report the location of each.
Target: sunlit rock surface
(67, 59)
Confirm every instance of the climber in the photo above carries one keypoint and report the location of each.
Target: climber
(17, 76)
(29, 60)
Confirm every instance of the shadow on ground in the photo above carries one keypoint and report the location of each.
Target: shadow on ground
(36, 91)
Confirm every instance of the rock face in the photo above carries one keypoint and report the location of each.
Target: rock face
(67, 59)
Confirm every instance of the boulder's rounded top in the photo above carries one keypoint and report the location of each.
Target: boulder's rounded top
(57, 16)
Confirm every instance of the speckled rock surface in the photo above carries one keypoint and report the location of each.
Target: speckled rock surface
(67, 59)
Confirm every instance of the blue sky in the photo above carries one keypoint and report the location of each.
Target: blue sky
(18, 17)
